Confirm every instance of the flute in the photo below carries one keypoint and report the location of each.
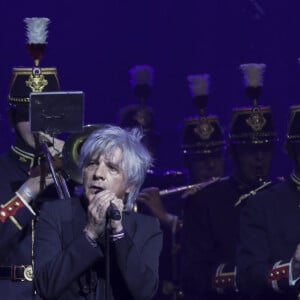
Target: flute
(196, 186)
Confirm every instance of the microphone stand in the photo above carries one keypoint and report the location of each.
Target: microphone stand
(107, 259)
(111, 214)
(59, 181)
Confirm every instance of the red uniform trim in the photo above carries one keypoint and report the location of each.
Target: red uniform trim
(277, 273)
(224, 281)
(10, 208)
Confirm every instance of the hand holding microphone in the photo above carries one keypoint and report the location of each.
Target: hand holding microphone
(104, 205)
(113, 212)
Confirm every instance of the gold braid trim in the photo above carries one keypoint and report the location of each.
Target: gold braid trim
(13, 219)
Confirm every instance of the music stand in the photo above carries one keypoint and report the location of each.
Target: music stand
(56, 112)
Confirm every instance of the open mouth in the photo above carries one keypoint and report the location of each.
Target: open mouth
(96, 189)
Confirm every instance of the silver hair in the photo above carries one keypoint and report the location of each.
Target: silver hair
(135, 158)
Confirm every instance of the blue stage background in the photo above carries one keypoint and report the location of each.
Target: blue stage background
(94, 43)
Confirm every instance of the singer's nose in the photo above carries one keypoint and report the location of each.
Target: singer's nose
(100, 171)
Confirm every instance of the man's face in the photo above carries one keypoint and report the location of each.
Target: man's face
(204, 167)
(252, 161)
(105, 173)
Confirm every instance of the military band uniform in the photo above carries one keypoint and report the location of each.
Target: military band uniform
(17, 214)
(270, 232)
(212, 216)
(67, 266)
(15, 227)
(211, 229)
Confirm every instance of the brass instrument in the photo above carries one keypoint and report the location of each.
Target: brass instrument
(68, 163)
(71, 152)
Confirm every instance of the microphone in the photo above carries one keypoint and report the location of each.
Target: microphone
(113, 213)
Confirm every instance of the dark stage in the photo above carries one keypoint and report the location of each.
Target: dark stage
(94, 44)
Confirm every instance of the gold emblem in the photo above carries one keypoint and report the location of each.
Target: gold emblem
(36, 80)
(28, 273)
(256, 120)
(204, 128)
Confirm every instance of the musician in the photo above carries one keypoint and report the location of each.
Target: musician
(211, 215)
(21, 184)
(268, 257)
(203, 157)
(203, 154)
(70, 247)
(19, 190)
(203, 148)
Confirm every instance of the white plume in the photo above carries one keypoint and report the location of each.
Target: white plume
(253, 74)
(141, 74)
(36, 30)
(199, 84)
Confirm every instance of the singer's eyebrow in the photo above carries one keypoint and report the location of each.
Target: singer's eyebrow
(113, 165)
(112, 161)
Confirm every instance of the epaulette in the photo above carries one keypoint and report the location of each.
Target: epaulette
(9, 210)
(193, 189)
(224, 281)
(252, 193)
(23, 156)
(278, 276)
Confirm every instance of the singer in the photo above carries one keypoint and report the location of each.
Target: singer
(69, 247)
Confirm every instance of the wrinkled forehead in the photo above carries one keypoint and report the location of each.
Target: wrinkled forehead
(112, 155)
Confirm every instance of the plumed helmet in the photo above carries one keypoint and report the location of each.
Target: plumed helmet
(203, 135)
(252, 125)
(142, 116)
(27, 80)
